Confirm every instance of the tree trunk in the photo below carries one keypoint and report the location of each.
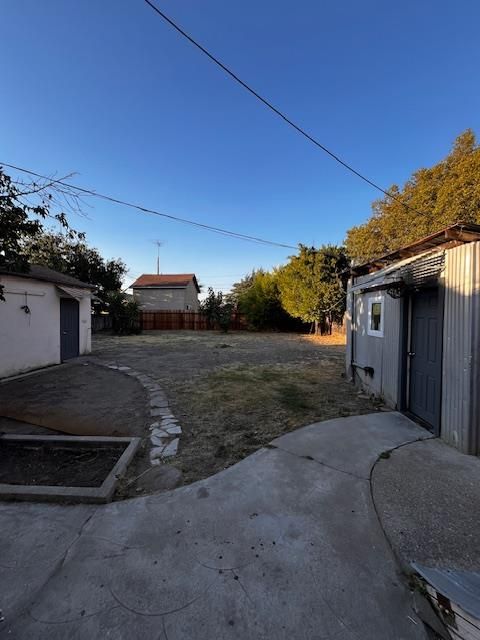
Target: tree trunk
(320, 326)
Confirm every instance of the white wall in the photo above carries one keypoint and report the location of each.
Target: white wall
(32, 340)
(29, 340)
(85, 329)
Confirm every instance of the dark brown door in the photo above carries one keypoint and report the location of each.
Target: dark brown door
(426, 357)
(69, 328)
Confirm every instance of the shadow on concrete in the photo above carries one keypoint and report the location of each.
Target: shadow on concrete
(80, 398)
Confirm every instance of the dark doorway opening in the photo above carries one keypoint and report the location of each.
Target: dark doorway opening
(425, 355)
(69, 328)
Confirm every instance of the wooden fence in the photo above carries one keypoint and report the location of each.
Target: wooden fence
(178, 320)
(101, 322)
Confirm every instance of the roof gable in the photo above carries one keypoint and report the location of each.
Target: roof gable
(165, 281)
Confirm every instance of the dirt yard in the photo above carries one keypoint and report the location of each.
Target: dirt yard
(233, 393)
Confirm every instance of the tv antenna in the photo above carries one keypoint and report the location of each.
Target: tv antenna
(159, 244)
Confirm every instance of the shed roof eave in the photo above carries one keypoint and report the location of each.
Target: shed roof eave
(387, 275)
(44, 274)
(458, 233)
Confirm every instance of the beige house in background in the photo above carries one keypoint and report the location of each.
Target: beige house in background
(167, 292)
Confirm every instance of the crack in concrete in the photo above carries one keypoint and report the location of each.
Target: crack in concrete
(79, 618)
(370, 481)
(51, 561)
(76, 539)
(164, 629)
(320, 462)
(126, 547)
(339, 618)
(242, 586)
(397, 559)
(242, 566)
(59, 563)
(159, 614)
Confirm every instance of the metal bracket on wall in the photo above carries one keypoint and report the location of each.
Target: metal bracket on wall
(369, 371)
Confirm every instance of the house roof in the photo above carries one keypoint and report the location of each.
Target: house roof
(165, 281)
(455, 234)
(45, 274)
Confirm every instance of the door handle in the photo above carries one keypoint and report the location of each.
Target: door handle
(411, 353)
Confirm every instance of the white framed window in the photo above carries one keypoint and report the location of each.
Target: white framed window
(376, 313)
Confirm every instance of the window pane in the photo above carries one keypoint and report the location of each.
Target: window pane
(376, 316)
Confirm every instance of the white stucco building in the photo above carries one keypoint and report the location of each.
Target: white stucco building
(44, 320)
(167, 292)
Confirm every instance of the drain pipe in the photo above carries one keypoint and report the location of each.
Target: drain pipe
(352, 332)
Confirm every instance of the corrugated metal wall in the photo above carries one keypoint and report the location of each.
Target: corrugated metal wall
(382, 354)
(391, 350)
(460, 420)
(475, 386)
(461, 349)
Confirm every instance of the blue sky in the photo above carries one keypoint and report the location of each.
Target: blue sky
(108, 90)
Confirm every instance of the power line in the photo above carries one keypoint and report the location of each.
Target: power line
(207, 227)
(277, 111)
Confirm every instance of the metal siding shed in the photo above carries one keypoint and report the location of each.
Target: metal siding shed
(459, 280)
(391, 350)
(461, 346)
(382, 354)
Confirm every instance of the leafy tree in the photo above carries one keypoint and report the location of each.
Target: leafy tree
(312, 286)
(210, 307)
(239, 289)
(259, 301)
(75, 258)
(446, 193)
(225, 313)
(23, 209)
(125, 313)
(218, 310)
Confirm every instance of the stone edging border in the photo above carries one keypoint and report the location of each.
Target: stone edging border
(165, 430)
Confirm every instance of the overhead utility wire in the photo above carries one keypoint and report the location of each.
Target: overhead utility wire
(207, 227)
(279, 113)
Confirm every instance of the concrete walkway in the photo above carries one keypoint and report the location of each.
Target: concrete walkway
(80, 398)
(428, 499)
(284, 545)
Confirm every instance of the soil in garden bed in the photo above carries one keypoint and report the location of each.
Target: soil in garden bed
(57, 465)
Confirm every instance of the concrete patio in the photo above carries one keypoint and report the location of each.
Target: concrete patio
(285, 544)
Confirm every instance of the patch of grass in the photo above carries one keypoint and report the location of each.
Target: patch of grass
(232, 401)
(292, 398)
(267, 375)
(234, 375)
(237, 409)
(333, 339)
